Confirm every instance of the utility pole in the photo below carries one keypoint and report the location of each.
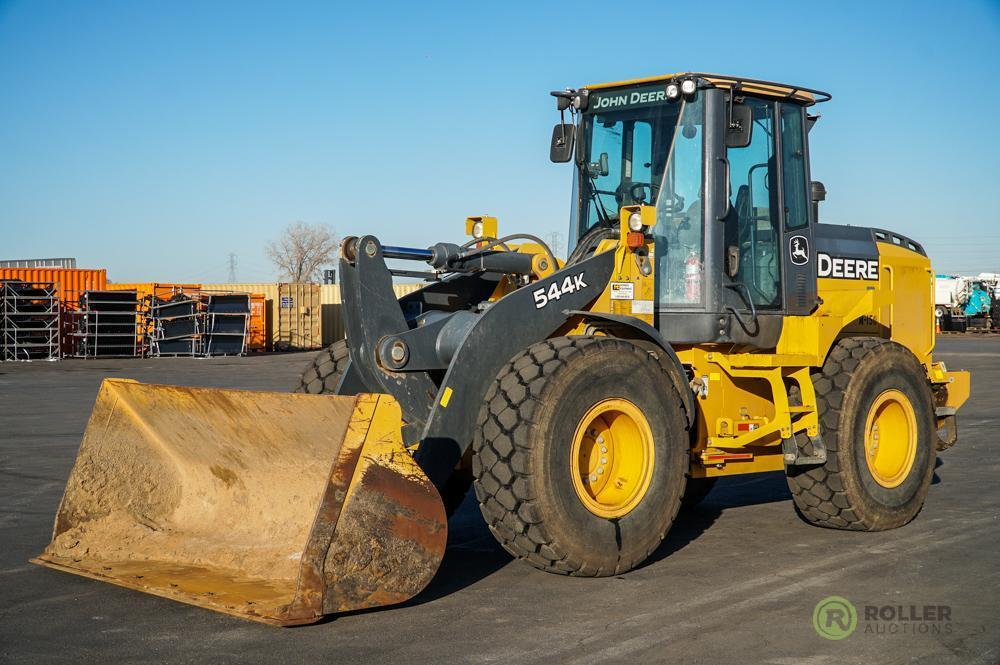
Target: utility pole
(232, 268)
(555, 242)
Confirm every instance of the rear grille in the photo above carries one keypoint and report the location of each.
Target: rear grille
(800, 290)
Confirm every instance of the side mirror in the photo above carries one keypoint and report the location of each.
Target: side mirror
(811, 121)
(817, 192)
(740, 127)
(561, 148)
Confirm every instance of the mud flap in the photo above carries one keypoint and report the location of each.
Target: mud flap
(273, 507)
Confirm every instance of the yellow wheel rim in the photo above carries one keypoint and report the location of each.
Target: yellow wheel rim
(611, 462)
(890, 438)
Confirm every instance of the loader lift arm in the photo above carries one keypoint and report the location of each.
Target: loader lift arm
(439, 412)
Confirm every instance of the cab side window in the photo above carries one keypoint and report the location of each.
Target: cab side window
(754, 225)
(793, 162)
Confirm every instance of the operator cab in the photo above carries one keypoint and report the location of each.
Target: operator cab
(724, 161)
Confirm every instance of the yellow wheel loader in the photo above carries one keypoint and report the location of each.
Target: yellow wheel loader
(704, 324)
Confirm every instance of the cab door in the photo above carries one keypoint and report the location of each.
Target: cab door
(799, 249)
(754, 238)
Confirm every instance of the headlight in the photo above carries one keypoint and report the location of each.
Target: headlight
(673, 91)
(477, 230)
(688, 86)
(635, 222)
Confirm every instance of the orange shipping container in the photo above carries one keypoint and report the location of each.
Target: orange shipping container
(257, 339)
(71, 282)
(154, 288)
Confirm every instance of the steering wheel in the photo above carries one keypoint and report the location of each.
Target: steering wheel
(637, 191)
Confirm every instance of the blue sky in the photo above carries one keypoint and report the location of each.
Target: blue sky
(153, 139)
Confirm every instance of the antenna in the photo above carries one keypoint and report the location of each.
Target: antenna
(232, 268)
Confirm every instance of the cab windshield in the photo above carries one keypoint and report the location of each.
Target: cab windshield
(641, 148)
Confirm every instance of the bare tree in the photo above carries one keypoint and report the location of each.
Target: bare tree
(302, 250)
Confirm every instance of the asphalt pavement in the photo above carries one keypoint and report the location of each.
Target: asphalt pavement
(736, 581)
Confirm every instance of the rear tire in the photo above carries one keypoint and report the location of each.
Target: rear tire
(535, 421)
(865, 382)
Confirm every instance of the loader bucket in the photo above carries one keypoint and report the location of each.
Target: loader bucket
(274, 507)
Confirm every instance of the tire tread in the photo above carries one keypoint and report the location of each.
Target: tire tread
(503, 463)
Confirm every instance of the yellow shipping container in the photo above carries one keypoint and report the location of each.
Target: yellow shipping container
(299, 317)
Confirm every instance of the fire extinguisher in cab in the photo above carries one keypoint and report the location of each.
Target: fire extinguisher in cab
(692, 278)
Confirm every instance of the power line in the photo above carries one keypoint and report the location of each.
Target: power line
(232, 268)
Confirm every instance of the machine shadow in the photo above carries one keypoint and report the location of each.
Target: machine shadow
(728, 493)
(473, 554)
(936, 479)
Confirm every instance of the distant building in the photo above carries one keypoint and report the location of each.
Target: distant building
(38, 263)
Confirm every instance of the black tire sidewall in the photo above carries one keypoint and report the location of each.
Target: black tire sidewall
(601, 374)
(897, 370)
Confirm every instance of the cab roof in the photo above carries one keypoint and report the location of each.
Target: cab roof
(808, 96)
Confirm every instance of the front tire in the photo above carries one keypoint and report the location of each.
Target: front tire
(877, 422)
(580, 455)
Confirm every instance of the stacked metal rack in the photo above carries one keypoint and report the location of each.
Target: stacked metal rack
(174, 326)
(201, 324)
(226, 323)
(106, 325)
(29, 318)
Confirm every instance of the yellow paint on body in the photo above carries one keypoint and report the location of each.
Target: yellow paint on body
(446, 397)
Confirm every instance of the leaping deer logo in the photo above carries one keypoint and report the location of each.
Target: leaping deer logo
(799, 250)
